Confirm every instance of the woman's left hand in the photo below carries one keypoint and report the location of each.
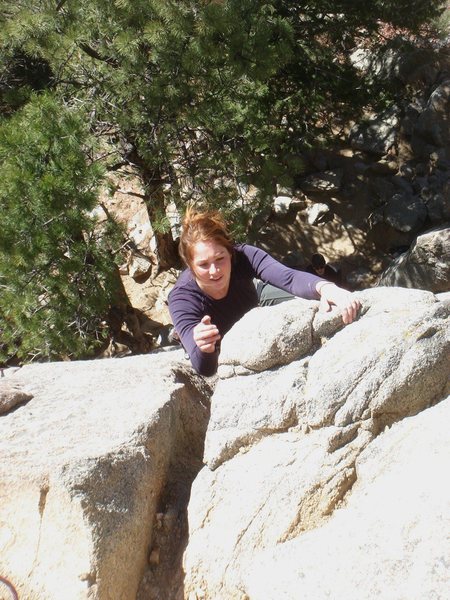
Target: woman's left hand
(344, 300)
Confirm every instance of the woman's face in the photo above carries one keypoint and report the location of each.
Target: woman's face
(211, 265)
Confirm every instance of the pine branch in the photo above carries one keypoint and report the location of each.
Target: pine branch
(94, 54)
(60, 5)
(131, 193)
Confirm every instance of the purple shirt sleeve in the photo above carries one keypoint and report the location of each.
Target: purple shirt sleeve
(187, 310)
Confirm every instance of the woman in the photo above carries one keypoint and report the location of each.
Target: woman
(218, 288)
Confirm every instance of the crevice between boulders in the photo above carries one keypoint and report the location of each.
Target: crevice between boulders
(164, 576)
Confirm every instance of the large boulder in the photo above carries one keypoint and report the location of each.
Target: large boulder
(405, 213)
(389, 540)
(86, 465)
(311, 425)
(426, 265)
(284, 444)
(376, 136)
(432, 126)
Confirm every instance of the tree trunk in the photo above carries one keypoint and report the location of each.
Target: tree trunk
(165, 247)
(166, 250)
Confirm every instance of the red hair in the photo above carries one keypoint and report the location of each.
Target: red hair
(202, 226)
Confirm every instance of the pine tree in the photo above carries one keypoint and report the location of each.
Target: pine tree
(57, 277)
(218, 93)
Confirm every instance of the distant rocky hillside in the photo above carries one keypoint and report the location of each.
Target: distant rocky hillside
(317, 459)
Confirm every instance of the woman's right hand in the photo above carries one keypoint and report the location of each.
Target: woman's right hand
(206, 335)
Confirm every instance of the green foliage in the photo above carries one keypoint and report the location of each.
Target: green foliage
(440, 25)
(56, 273)
(218, 87)
(20, 75)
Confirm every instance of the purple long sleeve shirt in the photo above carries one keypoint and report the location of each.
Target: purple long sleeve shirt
(188, 304)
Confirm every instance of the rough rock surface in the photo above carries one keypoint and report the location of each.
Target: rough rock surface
(426, 265)
(324, 464)
(287, 447)
(85, 466)
(390, 540)
(11, 396)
